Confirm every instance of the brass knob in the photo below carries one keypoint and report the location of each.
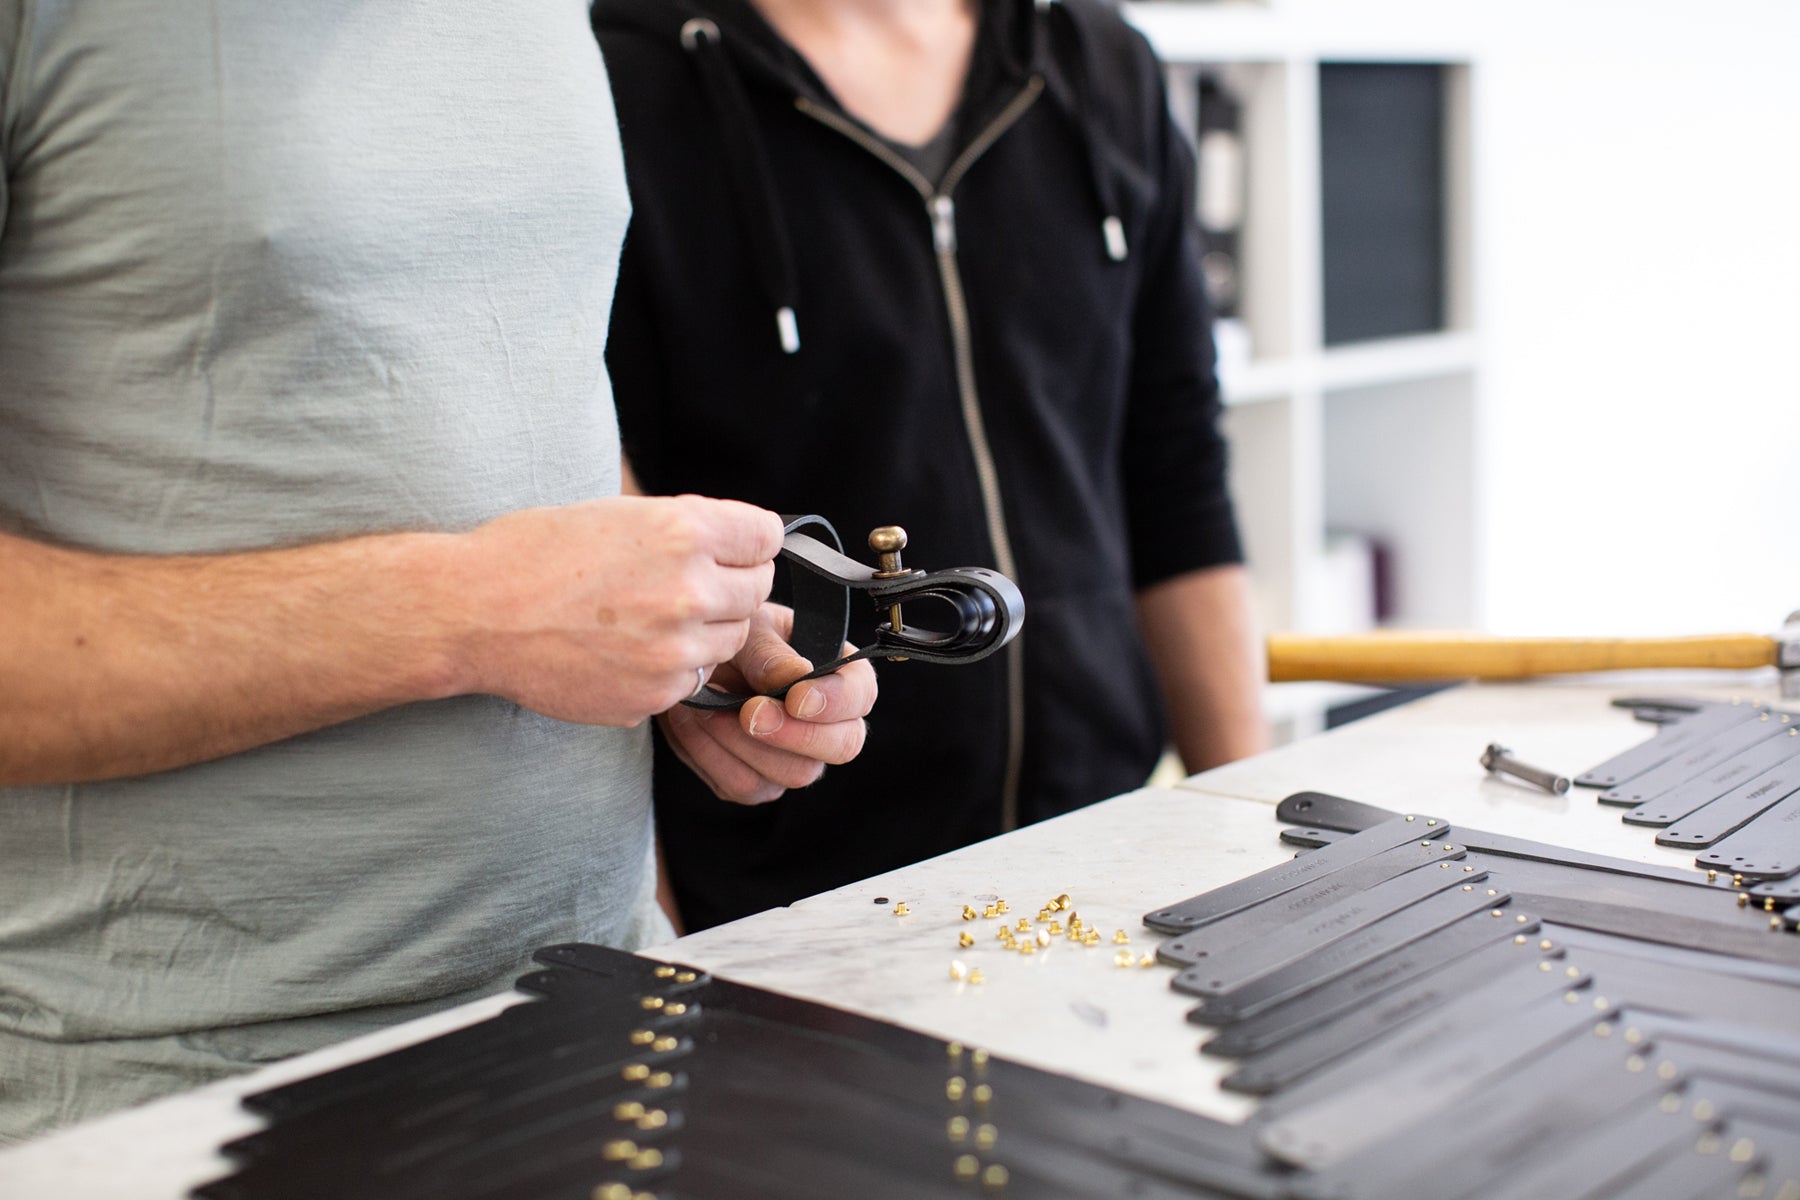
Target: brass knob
(888, 541)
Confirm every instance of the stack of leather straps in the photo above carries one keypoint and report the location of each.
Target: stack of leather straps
(1722, 779)
(1437, 1011)
(630, 1079)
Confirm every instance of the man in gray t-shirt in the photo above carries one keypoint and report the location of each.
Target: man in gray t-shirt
(326, 640)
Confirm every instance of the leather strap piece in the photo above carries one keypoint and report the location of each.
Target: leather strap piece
(1748, 772)
(973, 611)
(1766, 848)
(1680, 724)
(1703, 757)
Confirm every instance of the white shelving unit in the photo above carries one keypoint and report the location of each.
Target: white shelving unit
(1373, 438)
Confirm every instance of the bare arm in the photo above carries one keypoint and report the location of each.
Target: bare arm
(1201, 631)
(598, 612)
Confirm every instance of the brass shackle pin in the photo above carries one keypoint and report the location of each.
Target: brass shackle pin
(888, 541)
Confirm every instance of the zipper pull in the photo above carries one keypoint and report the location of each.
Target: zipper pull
(943, 224)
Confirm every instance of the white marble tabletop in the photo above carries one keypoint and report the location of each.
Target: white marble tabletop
(1068, 1008)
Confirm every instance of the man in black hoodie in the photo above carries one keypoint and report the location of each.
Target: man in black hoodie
(932, 262)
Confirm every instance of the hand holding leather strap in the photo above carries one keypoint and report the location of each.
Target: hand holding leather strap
(983, 609)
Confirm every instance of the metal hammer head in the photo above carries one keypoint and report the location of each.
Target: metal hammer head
(1787, 656)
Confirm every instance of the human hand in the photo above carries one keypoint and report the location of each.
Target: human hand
(773, 745)
(603, 612)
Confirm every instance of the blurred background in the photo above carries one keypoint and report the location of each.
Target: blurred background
(1511, 296)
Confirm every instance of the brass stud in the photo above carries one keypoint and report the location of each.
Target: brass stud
(968, 913)
(994, 1178)
(1043, 937)
(675, 1010)
(642, 1037)
(1665, 1070)
(656, 1118)
(979, 1058)
(1704, 1110)
(1056, 927)
(1000, 906)
(1737, 880)
(967, 1166)
(1572, 972)
(976, 977)
(1543, 966)
(954, 1050)
(1027, 947)
(1546, 944)
(630, 1110)
(659, 1081)
(646, 1160)
(1468, 887)
(612, 1191)
(1743, 899)
(685, 977)
(982, 1093)
(1468, 870)
(957, 970)
(635, 1073)
(664, 972)
(1121, 937)
(651, 1003)
(1708, 1144)
(900, 909)
(1024, 925)
(1603, 1030)
(663, 1045)
(1149, 960)
(991, 911)
(1670, 1103)
(618, 1151)
(1091, 938)
(1044, 914)
(1712, 877)
(1743, 1150)
(1063, 902)
(954, 1087)
(1635, 1064)
(1775, 924)
(957, 1130)
(1634, 1035)
(1493, 891)
(965, 939)
(985, 1137)
(1497, 913)
(1123, 958)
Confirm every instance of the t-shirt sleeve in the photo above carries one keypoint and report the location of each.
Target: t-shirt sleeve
(12, 16)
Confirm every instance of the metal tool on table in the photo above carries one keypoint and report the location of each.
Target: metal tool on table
(978, 611)
(1404, 656)
(1499, 761)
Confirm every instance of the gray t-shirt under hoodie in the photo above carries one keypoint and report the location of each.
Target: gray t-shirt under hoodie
(271, 274)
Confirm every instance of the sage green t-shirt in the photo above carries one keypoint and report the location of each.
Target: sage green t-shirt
(270, 274)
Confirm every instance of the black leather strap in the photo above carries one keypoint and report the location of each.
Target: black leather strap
(979, 610)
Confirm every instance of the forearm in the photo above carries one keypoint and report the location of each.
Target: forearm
(116, 665)
(1202, 634)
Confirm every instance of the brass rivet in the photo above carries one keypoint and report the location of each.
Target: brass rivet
(1056, 928)
(1708, 1144)
(675, 1010)
(1043, 937)
(1665, 1070)
(685, 977)
(1572, 972)
(664, 972)
(612, 1191)
(955, 1086)
(1121, 937)
(1635, 1063)
(954, 1050)
(1769, 904)
(1712, 876)
(1027, 947)
(1063, 902)
(1704, 1111)
(1024, 925)
(979, 1058)
(630, 1110)
(618, 1151)
(1543, 966)
(656, 1118)
(664, 1044)
(991, 911)
(1603, 1030)
(985, 1137)
(1671, 1103)
(635, 1073)
(976, 977)
(994, 1178)
(642, 1037)
(1149, 960)
(968, 913)
(651, 1002)
(1468, 887)
(1123, 958)
(1431, 822)
(967, 1166)
(957, 969)
(1518, 939)
(1634, 1035)
(1468, 870)
(1743, 899)
(646, 1160)
(1000, 906)
(1546, 944)
(659, 1080)
(983, 1093)
(1743, 1150)
(1493, 891)
(1497, 913)
(1570, 998)
(958, 1130)
(965, 939)
(900, 909)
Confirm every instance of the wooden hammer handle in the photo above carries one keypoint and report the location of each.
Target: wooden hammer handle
(1403, 656)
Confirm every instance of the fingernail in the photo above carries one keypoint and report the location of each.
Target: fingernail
(811, 704)
(766, 719)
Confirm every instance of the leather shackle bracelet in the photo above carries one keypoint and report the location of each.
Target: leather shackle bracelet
(985, 608)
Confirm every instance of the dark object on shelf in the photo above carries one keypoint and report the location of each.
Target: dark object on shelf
(1381, 144)
(1355, 710)
(1220, 194)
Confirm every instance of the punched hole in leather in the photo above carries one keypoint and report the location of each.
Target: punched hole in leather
(981, 610)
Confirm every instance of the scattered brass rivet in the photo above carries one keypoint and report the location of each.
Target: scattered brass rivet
(646, 1160)
(659, 1080)
(968, 913)
(663, 1045)
(991, 911)
(685, 977)
(675, 1010)
(1027, 947)
(635, 1073)
(1449, 849)
(656, 1118)
(1424, 845)
(976, 977)
(1410, 817)
(1737, 880)
(1091, 938)
(1431, 822)
(1123, 958)
(664, 972)
(1121, 937)
(900, 909)
(965, 939)
(983, 1093)
(1056, 927)
(1044, 914)
(1043, 937)
(958, 1130)
(1063, 902)
(957, 970)
(994, 1178)
(1024, 925)
(1149, 960)
(955, 1086)
(1005, 933)
(1000, 906)
(618, 1151)
(652, 1002)
(1468, 870)
(642, 1037)
(967, 1166)
(630, 1110)
(985, 1137)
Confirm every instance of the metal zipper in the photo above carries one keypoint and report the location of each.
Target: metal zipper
(941, 210)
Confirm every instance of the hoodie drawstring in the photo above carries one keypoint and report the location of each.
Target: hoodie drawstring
(1112, 229)
(750, 175)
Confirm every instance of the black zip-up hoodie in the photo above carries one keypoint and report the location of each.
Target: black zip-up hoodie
(1015, 365)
